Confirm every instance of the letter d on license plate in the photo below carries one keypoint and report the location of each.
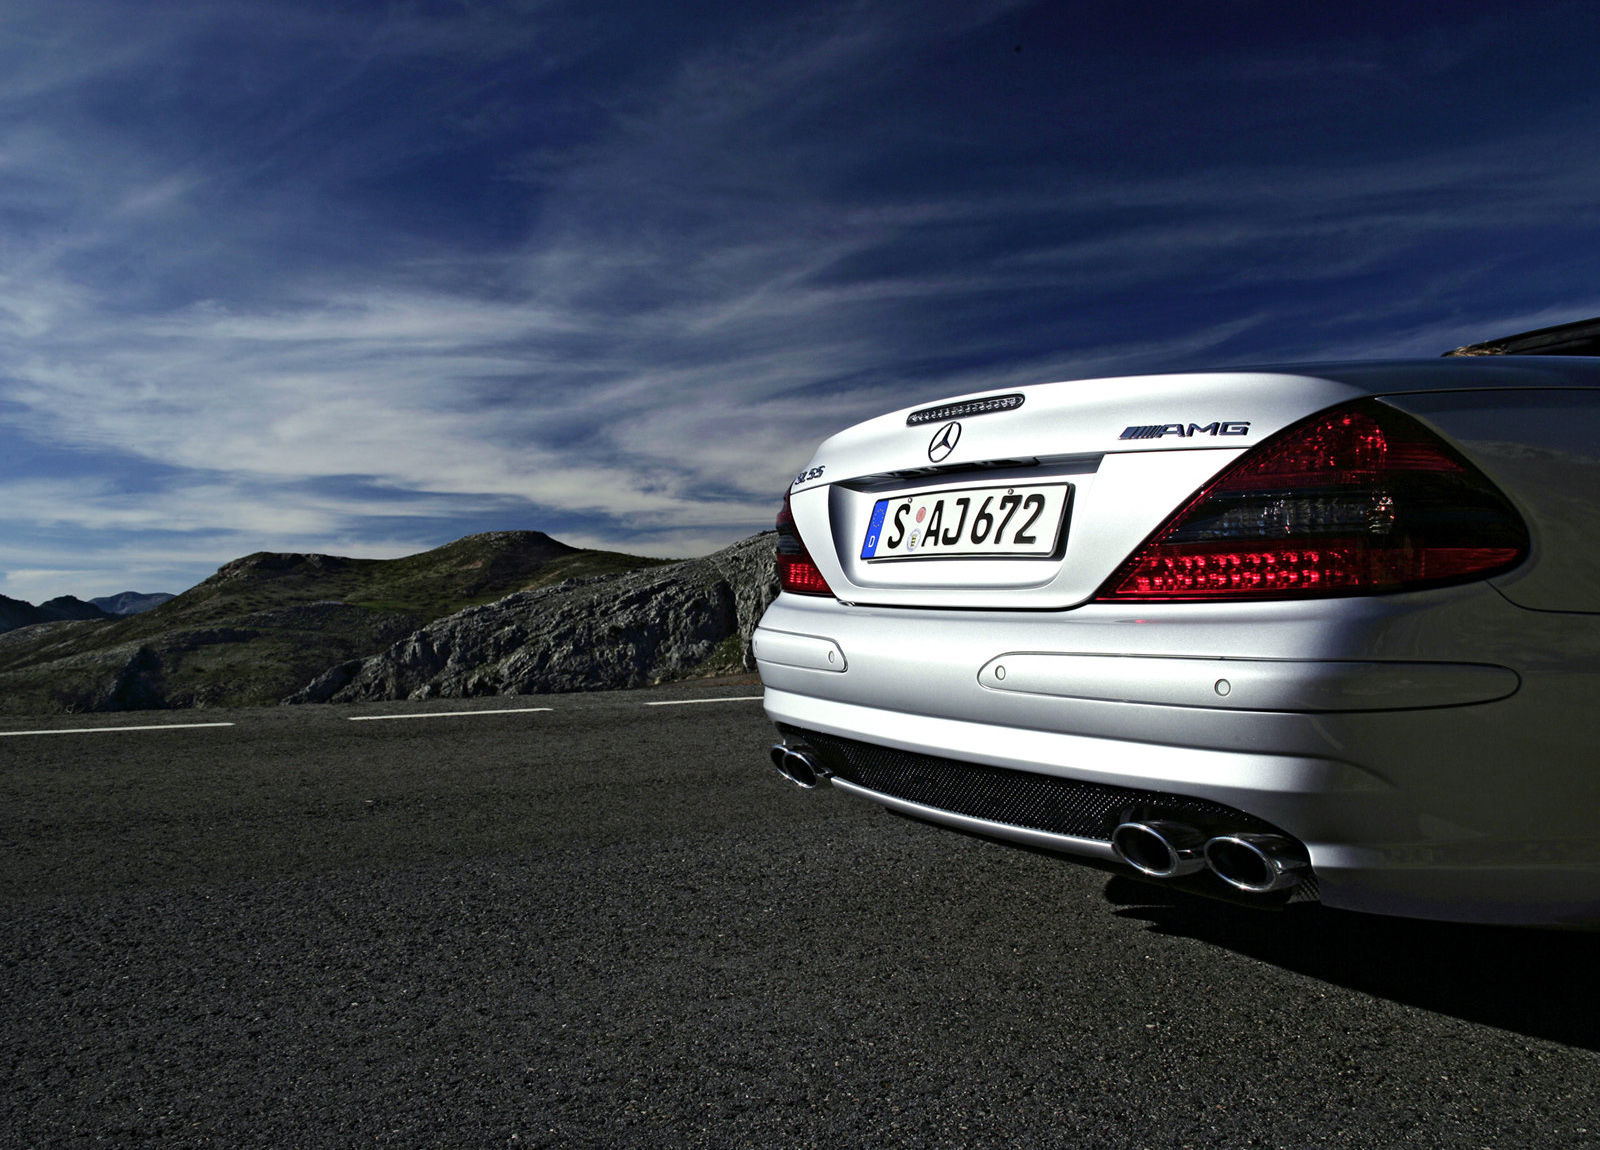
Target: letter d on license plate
(1015, 521)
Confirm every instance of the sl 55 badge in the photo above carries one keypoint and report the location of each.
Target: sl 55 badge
(1187, 430)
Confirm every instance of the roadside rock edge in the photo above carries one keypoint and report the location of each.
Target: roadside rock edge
(604, 632)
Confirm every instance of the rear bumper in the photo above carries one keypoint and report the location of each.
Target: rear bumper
(1433, 786)
(1060, 814)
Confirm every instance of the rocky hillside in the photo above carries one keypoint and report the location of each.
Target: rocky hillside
(502, 613)
(265, 625)
(622, 630)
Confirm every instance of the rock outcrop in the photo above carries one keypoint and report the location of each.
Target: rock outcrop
(605, 631)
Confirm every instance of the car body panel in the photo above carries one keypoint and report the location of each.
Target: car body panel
(1542, 448)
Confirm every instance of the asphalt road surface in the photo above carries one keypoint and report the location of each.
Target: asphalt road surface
(612, 924)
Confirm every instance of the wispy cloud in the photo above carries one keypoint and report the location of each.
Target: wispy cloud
(294, 278)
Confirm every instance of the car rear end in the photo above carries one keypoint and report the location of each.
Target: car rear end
(1325, 633)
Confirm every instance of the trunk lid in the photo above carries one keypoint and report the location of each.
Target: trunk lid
(1086, 469)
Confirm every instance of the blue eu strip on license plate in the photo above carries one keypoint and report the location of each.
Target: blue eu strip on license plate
(875, 529)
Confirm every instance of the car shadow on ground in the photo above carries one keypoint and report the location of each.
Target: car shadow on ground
(1541, 983)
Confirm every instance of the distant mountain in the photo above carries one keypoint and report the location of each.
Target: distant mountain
(16, 613)
(130, 602)
(265, 625)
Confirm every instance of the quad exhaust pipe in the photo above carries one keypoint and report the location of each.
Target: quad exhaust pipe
(799, 765)
(1159, 848)
(1254, 863)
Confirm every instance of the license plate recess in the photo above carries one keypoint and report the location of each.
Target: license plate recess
(993, 521)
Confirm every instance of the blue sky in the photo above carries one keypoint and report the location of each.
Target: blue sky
(362, 278)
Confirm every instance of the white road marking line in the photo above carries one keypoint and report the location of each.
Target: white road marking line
(97, 730)
(729, 699)
(447, 714)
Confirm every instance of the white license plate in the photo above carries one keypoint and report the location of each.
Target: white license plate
(968, 521)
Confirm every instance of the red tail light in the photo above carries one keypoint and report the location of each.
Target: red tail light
(796, 571)
(1358, 500)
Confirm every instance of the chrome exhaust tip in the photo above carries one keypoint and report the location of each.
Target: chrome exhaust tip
(1256, 863)
(1159, 848)
(798, 765)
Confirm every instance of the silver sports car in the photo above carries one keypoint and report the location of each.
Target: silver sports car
(1313, 633)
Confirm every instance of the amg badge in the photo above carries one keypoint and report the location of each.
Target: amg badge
(1216, 427)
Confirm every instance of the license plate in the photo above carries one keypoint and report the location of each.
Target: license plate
(968, 521)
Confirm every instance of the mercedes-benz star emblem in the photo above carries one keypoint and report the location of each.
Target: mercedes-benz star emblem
(944, 441)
